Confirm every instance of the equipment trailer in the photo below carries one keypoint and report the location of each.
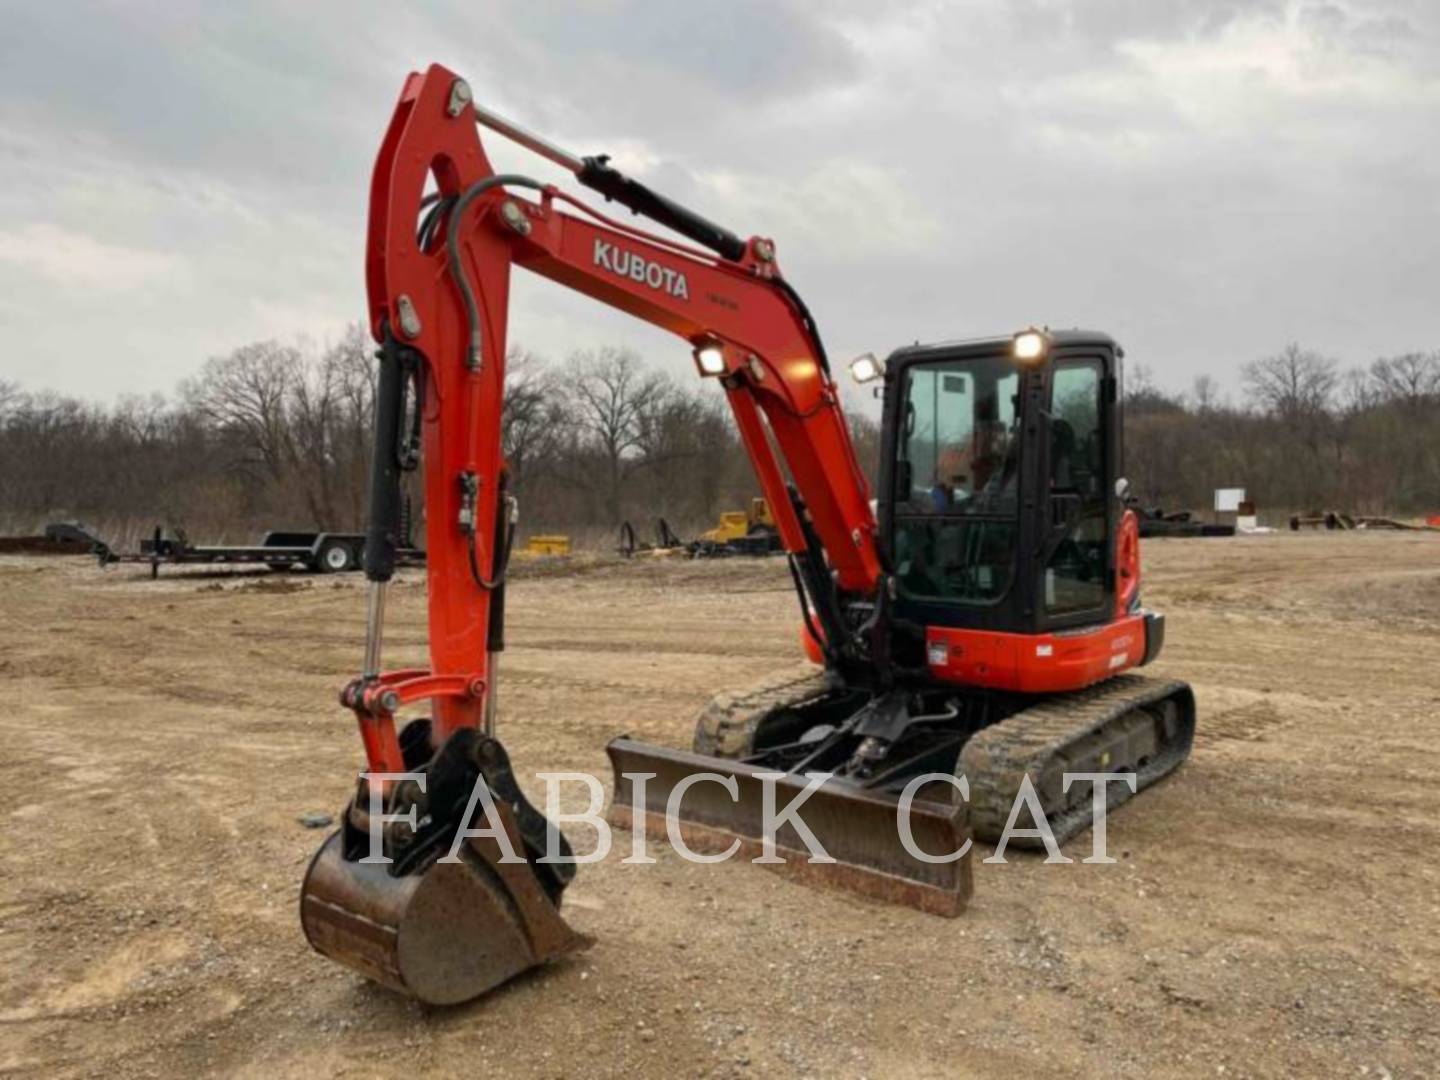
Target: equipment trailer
(321, 552)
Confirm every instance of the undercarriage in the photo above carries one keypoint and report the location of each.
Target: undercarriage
(808, 722)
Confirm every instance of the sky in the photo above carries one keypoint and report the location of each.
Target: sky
(1206, 180)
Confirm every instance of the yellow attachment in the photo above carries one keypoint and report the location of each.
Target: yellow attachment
(548, 545)
(734, 524)
(737, 524)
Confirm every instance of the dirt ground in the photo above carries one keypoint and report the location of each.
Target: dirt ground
(1273, 913)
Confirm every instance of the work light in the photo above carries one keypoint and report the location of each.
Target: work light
(710, 360)
(1029, 345)
(866, 368)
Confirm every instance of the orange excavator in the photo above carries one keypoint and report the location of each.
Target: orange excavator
(973, 630)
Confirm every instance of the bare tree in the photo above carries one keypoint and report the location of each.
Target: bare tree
(1410, 378)
(1140, 380)
(533, 421)
(611, 393)
(1357, 393)
(685, 439)
(865, 434)
(12, 398)
(1297, 387)
(1143, 394)
(142, 419)
(1295, 384)
(299, 424)
(246, 393)
(352, 368)
(313, 418)
(1206, 393)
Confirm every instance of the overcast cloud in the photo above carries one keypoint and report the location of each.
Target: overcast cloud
(1205, 180)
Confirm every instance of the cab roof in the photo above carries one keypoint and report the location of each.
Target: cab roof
(982, 345)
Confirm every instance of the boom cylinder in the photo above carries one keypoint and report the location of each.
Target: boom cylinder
(597, 174)
(528, 139)
(382, 535)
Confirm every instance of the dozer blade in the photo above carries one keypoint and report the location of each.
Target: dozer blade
(442, 934)
(858, 828)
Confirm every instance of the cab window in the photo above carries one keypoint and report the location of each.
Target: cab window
(957, 503)
(1075, 569)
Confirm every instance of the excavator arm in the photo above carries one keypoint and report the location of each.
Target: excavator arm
(441, 295)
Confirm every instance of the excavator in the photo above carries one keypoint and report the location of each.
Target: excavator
(972, 631)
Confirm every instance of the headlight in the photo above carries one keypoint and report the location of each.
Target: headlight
(866, 368)
(1029, 345)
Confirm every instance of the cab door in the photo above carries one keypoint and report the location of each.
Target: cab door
(1076, 586)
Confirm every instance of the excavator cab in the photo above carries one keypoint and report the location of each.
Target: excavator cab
(997, 499)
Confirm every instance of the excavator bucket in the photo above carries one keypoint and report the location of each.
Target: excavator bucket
(441, 932)
(861, 831)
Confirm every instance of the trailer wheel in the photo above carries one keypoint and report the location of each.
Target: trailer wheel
(334, 556)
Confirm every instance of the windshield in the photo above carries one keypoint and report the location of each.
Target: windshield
(958, 477)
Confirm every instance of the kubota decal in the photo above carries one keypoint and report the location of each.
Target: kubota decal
(629, 264)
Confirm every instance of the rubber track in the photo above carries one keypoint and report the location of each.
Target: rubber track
(726, 726)
(995, 759)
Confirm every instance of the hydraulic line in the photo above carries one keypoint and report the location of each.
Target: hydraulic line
(507, 525)
(438, 206)
(452, 252)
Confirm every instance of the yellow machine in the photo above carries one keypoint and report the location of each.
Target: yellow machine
(548, 545)
(738, 524)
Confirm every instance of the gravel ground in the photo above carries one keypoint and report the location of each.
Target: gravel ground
(1273, 911)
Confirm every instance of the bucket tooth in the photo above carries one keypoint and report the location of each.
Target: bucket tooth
(858, 828)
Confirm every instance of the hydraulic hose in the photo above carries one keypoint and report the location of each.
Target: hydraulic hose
(452, 253)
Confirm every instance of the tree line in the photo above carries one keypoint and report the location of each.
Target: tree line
(1308, 434)
(275, 435)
